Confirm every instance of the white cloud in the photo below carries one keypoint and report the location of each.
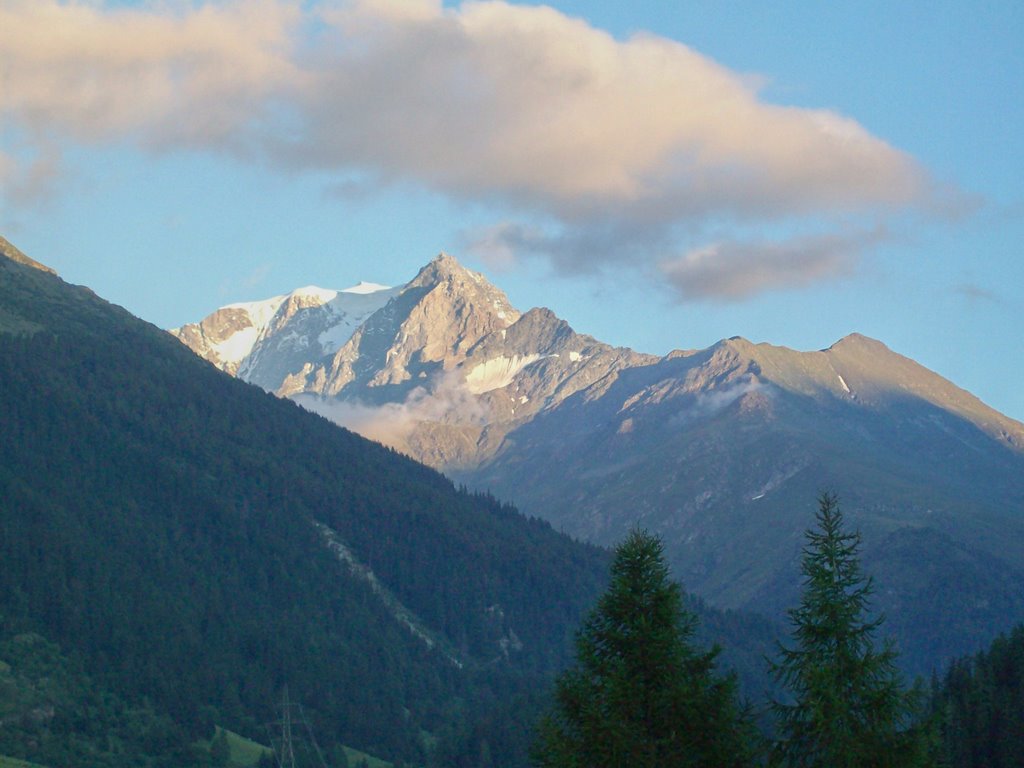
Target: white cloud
(536, 108)
(192, 75)
(619, 144)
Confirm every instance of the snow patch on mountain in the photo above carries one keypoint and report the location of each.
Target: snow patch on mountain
(240, 345)
(260, 312)
(349, 309)
(497, 372)
(317, 294)
(323, 319)
(237, 347)
(363, 287)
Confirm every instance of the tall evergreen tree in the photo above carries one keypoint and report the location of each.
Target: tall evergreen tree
(641, 695)
(850, 709)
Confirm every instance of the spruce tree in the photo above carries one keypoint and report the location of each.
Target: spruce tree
(641, 695)
(849, 708)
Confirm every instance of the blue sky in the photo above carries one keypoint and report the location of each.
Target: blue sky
(662, 177)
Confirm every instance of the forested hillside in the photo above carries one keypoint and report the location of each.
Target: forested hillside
(157, 522)
(195, 543)
(53, 713)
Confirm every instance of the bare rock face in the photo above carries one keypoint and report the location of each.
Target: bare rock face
(426, 330)
(445, 368)
(441, 368)
(207, 337)
(8, 250)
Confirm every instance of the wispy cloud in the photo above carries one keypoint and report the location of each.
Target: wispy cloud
(619, 144)
(32, 178)
(445, 399)
(975, 294)
(257, 276)
(735, 270)
(702, 404)
(231, 289)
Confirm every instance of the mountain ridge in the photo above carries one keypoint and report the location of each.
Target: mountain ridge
(458, 345)
(715, 449)
(9, 250)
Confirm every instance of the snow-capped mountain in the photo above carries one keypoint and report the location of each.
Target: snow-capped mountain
(260, 341)
(721, 451)
(442, 367)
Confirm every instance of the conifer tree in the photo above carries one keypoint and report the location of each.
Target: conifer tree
(849, 707)
(641, 695)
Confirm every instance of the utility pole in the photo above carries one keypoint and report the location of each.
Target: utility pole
(284, 745)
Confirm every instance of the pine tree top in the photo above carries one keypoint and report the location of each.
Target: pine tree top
(849, 707)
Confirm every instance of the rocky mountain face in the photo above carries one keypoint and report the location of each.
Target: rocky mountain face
(721, 451)
(442, 368)
(11, 252)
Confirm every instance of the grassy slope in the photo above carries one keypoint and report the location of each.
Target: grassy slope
(11, 762)
(246, 753)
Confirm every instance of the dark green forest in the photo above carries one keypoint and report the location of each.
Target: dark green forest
(643, 694)
(979, 705)
(53, 713)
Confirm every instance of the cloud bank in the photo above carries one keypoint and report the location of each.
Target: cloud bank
(625, 149)
(445, 399)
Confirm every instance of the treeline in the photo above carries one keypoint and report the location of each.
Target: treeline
(979, 707)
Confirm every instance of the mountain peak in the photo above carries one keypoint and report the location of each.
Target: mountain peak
(11, 252)
(445, 261)
(858, 341)
(445, 267)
